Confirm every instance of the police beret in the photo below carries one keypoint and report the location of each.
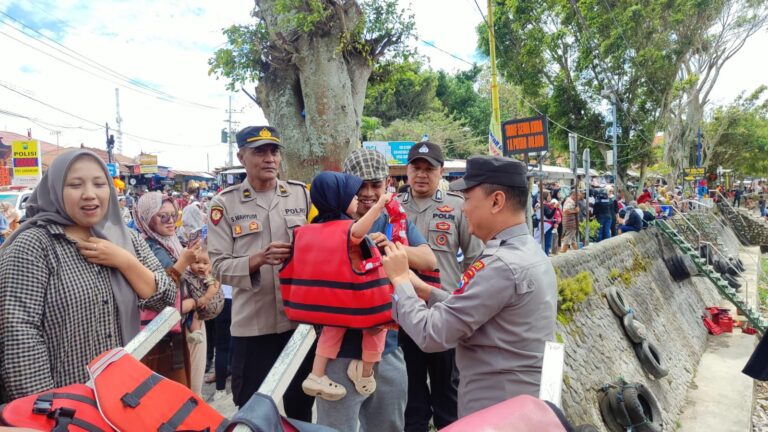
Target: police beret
(255, 136)
(492, 170)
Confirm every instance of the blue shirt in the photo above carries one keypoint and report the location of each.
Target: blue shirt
(352, 344)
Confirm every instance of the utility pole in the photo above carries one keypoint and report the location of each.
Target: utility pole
(110, 143)
(230, 132)
(57, 133)
(587, 180)
(119, 120)
(615, 147)
(495, 126)
(573, 146)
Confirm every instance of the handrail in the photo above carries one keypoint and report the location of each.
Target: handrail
(699, 203)
(725, 200)
(682, 216)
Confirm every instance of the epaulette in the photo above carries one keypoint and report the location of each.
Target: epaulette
(229, 189)
(297, 183)
(457, 195)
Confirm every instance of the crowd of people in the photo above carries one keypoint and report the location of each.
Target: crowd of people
(88, 268)
(563, 225)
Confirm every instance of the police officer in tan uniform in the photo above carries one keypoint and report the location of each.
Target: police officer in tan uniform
(437, 215)
(504, 310)
(250, 235)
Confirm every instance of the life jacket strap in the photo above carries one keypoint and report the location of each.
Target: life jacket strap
(178, 418)
(44, 403)
(64, 417)
(133, 398)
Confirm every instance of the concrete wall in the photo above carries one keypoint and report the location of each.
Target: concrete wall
(752, 230)
(598, 352)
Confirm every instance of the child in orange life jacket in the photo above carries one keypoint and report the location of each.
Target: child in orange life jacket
(335, 197)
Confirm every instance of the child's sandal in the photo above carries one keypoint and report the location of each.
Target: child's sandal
(323, 387)
(364, 385)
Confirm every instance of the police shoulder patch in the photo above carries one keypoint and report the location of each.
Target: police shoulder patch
(296, 183)
(217, 213)
(472, 270)
(230, 189)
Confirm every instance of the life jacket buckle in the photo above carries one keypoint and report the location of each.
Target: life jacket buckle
(43, 404)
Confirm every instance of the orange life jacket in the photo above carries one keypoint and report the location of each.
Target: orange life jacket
(133, 398)
(320, 286)
(71, 408)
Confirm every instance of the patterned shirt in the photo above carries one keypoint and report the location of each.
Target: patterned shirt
(57, 310)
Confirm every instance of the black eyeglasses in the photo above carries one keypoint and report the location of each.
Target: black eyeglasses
(167, 217)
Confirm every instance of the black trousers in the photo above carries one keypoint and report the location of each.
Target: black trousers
(210, 336)
(252, 359)
(437, 399)
(223, 361)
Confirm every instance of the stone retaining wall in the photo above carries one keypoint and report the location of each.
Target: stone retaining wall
(597, 351)
(752, 230)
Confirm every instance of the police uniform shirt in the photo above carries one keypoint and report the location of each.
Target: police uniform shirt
(241, 223)
(442, 223)
(499, 320)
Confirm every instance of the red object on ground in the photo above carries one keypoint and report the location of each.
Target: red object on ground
(713, 328)
(725, 323)
(749, 330)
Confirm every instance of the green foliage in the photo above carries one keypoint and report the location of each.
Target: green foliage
(594, 226)
(253, 49)
(457, 140)
(741, 133)
(570, 292)
(614, 274)
(242, 60)
(626, 278)
(400, 90)
(567, 55)
(301, 15)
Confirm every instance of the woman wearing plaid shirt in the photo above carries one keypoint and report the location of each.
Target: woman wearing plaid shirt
(72, 278)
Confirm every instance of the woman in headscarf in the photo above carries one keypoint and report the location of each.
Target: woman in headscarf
(155, 216)
(72, 279)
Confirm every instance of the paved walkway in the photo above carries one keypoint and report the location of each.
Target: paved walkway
(721, 397)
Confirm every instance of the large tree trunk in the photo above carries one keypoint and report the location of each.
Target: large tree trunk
(315, 98)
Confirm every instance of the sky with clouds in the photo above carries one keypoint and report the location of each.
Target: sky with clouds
(74, 53)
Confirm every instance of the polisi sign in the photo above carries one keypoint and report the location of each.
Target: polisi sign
(26, 162)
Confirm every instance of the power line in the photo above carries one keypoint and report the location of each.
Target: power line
(138, 137)
(37, 121)
(446, 52)
(98, 66)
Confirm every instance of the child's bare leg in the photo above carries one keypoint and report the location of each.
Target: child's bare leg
(368, 368)
(318, 366)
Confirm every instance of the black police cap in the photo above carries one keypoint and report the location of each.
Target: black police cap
(428, 151)
(255, 136)
(492, 170)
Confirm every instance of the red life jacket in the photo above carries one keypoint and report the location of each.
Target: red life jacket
(133, 398)
(71, 408)
(319, 285)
